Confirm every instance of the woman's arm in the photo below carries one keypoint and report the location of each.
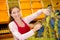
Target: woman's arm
(18, 35)
(31, 17)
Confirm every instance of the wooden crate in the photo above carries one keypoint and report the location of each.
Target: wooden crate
(25, 5)
(36, 5)
(4, 18)
(3, 6)
(56, 3)
(2, 1)
(25, 0)
(35, 0)
(26, 13)
(46, 3)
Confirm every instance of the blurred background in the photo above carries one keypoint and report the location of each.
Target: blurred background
(27, 7)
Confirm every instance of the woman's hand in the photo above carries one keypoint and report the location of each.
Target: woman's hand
(31, 25)
(37, 27)
(46, 11)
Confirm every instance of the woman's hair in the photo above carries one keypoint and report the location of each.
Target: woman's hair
(10, 11)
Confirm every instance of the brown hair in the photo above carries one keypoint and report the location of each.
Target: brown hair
(10, 10)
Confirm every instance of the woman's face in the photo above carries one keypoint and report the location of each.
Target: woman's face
(15, 13)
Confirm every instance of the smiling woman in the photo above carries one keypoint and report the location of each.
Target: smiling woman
(20, 26)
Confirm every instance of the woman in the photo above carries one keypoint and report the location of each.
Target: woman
(20, 26)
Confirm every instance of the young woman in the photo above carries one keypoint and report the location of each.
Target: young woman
(20, 26)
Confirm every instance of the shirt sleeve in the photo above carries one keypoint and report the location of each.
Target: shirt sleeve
(31, 17)
(18, 35)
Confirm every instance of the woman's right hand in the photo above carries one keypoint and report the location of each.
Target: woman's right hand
(37, 27)
(46, 11)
